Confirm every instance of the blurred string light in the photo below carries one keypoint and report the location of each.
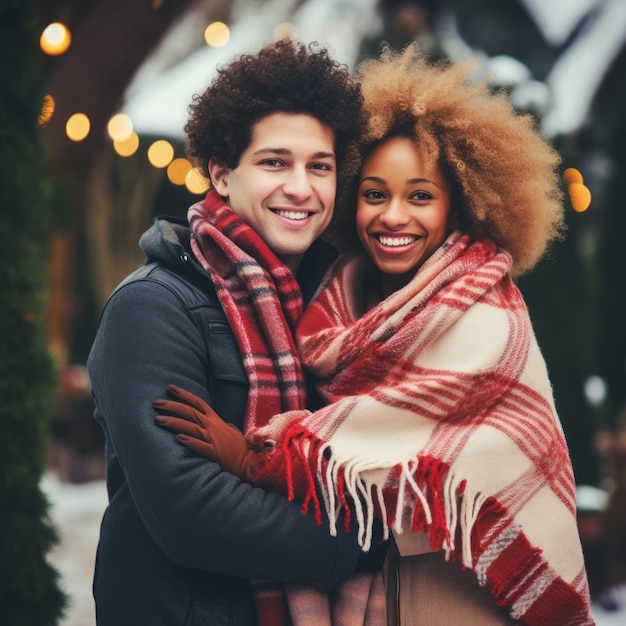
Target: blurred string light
(55, 39)
(595, 390)
(177, 171)
(77, 127)
(285, 30)
(217, 34)
(196, 182)
(127, 147)
(120, 127)
(47, 110)
(579, 194)
(160, 153)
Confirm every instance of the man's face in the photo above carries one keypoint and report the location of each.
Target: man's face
(285, 183)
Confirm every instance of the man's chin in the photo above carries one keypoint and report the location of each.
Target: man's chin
(291, 257)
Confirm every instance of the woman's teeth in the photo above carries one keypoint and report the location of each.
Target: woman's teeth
(396, 241)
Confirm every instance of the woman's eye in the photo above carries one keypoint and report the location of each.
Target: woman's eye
(373, 194)
(422, 196)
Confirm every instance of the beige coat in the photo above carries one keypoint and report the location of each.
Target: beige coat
(425, 590)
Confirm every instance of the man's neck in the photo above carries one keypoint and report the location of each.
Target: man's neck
(291, 261)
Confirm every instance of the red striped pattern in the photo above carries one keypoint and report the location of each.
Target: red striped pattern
(262, 302)
(443, 383)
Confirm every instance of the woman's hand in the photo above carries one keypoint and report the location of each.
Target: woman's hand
(203, 431)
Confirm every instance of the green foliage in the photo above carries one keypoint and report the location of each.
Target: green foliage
(558, 293)
(29, 589)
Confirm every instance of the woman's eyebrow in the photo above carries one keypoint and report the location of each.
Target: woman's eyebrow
(411, 181)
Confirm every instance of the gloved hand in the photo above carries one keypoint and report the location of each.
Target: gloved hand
(204, 432)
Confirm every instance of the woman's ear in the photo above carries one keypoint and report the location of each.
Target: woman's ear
(219, 178)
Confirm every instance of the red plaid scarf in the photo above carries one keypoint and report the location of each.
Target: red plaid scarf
(441, 416)
(262, 302)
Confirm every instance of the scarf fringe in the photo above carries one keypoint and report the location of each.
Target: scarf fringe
(425, 491)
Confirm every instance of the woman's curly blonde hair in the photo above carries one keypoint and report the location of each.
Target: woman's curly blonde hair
(504, 175)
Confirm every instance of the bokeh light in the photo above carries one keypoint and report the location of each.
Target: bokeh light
(595, 390)
(47, 110)
(285, 30)
(77, 127)
(127, 147)
(177, 171)
(55, 39)
(217, 34)
(579, 194)
(120, 127)
(580, 197)
(160, 153)
(196, 182)
(572, 175)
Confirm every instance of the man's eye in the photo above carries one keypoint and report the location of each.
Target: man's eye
(271, 162)
(322, 166)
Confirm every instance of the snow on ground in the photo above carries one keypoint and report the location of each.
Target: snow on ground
(612, 618)
(76, 511)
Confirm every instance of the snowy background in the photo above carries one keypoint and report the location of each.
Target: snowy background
(76, 511)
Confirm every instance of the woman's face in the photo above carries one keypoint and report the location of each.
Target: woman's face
(403, 208)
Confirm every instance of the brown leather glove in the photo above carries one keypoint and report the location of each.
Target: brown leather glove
(204, 432)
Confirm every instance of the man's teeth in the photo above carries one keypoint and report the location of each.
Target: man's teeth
(396, 241)
(293, 215)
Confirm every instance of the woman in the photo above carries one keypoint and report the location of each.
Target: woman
(440, 418)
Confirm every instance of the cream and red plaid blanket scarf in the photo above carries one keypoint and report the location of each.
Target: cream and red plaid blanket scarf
(263, 303)
(441, 413)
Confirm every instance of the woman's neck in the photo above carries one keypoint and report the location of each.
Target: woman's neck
(390, 283)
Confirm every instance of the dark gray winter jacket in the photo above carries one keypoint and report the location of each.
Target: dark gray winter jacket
(180, 539)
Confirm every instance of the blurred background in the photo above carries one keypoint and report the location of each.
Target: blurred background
(94, 100)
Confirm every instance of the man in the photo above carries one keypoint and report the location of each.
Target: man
(180, 539)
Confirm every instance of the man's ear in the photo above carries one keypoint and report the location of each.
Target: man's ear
(219, 178)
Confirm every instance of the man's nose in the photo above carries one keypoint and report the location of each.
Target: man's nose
(297, 184)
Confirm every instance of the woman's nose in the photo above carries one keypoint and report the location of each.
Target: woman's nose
(394, 215)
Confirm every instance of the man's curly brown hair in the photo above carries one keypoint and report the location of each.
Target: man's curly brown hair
(503, 174)
(284, 77)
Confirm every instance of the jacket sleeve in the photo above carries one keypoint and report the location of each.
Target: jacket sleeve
(199, 516)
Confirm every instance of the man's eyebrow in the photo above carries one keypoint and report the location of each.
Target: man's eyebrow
(322, 154)
(325, 155)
